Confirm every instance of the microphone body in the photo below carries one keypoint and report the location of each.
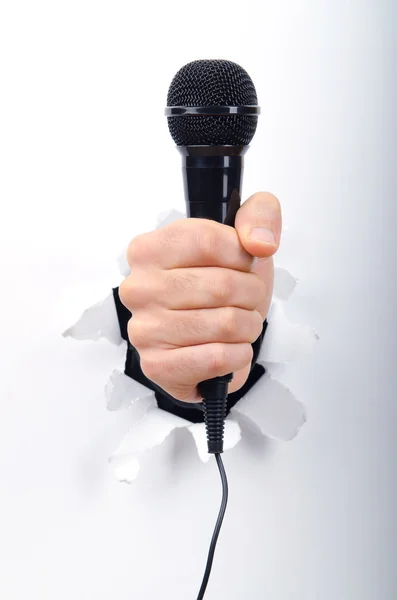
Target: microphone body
(212, 178)
(212, 112)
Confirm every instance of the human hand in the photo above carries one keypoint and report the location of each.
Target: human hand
(199, 297)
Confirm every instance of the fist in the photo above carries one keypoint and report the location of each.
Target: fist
(199, 292)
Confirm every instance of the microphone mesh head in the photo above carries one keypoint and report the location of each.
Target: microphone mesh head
(212, 83)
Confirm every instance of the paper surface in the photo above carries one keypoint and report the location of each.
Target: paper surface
(273, 408)
(284, 283)
(146, 433)
(96, 322)
(285, 341)
(122, 391)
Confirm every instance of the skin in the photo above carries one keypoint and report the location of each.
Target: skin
(199, 292)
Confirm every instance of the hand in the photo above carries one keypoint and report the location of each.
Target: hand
(199, 298)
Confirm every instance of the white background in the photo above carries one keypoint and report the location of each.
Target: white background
(86, 163)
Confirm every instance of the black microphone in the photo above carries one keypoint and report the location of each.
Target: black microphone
(212, 113)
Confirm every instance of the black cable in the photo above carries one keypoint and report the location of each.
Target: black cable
(217, 529)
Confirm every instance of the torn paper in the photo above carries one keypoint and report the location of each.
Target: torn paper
(284, 283)
(122, 391)
(272, 407)
(125, 468)
(122, 263)
(146, 433)
(96, 322)
(284, 341)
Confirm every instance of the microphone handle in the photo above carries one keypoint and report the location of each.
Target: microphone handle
(212, 178)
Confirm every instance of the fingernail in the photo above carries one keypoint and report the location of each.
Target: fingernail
(263, 235)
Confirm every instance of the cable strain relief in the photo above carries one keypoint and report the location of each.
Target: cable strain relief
(214, 418)
(214, 393)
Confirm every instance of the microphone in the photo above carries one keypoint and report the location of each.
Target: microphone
(212, 113)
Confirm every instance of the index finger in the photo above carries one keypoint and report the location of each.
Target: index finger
(190, 243)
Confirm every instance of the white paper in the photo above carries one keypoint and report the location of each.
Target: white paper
(284, 283)
(273, 408)
(122, 391)
(284, 341)
(125, 468)
(122, 263)
(96, 322)
(146, 433)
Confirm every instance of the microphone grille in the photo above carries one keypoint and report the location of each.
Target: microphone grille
(212, 83)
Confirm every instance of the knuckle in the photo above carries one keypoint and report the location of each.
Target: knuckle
(126, 292)
(131, 292)
(151, 367)
(141, 289)
(137, 248)
(136, 333)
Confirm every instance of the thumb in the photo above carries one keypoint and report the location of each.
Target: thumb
(258, 224)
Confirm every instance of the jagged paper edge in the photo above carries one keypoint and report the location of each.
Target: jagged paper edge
(96, 322)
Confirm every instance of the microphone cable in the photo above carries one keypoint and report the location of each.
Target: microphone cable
(214, 392)
(217, 527)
